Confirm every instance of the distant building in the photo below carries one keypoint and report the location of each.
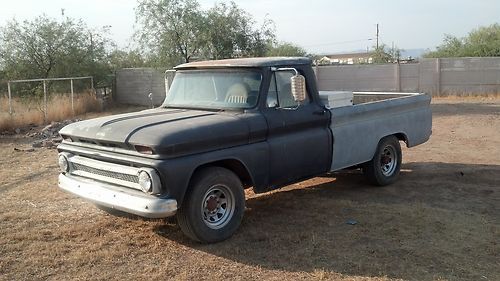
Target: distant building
(349, 58)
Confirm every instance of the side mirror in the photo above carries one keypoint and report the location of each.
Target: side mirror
(298, 83)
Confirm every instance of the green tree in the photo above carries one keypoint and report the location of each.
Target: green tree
(119, 59)
(171, 29)
(481, 42)
(384, 54)
(176, 31)
(230, 32)
(45, 47)
(451, 47)
(381, 54)
(286, 49)
(3, 84)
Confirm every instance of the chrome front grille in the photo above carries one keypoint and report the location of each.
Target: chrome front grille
(104, 173)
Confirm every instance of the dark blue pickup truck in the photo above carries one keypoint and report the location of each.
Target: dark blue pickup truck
(228, 125)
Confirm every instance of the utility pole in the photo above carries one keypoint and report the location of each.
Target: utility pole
(377, 36)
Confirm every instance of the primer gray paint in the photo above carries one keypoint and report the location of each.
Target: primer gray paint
(358, 129)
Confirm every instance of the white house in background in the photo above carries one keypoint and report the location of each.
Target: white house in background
(349, 58)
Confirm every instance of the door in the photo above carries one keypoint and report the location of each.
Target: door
(299, 138)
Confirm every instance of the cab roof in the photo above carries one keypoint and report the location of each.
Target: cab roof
(247, 62)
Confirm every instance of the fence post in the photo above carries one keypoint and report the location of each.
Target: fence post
(45, 101)
(72, 97)
(10, 98)
(438, 77)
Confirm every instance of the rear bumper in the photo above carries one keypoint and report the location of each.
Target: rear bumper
(129, 201)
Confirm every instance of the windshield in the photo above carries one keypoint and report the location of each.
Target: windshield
(214, 89)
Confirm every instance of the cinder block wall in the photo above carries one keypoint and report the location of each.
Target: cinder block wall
(470, 75)
(133, 86)
(445, 76)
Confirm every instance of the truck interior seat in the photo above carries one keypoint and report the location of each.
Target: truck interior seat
(238, 93)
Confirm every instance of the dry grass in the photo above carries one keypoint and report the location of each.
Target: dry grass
(440, 221)
(31, 112)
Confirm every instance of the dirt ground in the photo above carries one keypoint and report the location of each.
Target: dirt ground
(440, 221)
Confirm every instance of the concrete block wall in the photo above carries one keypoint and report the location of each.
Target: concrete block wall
(470, 75)
(428, 76)
(358, 77)
(133, 86)
(410, 76)
(444, 76)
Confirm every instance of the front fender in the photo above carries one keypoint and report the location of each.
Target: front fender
(176, 173)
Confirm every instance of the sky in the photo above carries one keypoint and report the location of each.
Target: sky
(319, 26)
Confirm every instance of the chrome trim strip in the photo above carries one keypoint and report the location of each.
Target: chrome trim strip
(129, 201)
(110, 167)
(109, 149)
(68, 147)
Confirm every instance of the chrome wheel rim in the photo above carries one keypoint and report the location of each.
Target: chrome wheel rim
(217, 206)
(388, 160)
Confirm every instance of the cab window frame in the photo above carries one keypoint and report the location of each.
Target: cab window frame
(274, 92)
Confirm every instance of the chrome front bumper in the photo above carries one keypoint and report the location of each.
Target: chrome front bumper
(129, 201)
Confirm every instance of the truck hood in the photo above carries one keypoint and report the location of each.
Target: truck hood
(173, 132)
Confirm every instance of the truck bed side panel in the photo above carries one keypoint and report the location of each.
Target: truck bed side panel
(358, 129)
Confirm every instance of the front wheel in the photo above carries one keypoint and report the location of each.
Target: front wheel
(385, 165)
(213, 206)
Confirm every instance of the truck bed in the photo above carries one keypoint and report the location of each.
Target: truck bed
(357, 129)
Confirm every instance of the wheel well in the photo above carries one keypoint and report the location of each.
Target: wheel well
(234, 166)
(402, 137)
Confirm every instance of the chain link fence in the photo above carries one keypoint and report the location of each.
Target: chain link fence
(39, 101)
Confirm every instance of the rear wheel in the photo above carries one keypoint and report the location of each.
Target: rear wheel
(385, 165)
(213, 206)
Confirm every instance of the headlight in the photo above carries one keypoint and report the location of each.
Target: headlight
(145, 181)
(63, 163)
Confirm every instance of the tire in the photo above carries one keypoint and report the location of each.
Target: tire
(385, 165)
(213, 206)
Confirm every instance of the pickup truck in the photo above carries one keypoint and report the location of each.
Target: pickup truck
(227, 125)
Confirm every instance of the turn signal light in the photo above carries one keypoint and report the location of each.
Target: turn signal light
(66, 138)
(144, 149)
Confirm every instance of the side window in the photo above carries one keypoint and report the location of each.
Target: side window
(272, 95)
(280, 91)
